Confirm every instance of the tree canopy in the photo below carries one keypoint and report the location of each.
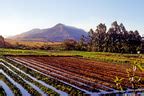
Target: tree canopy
(115, 39)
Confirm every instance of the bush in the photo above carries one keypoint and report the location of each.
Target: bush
(70, 44)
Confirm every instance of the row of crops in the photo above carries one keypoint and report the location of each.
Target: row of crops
(59, 76)
(18, 80)
(67, 82)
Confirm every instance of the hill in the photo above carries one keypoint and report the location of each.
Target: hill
(2, 42)
(58, 33)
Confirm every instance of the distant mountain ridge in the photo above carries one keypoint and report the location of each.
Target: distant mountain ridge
(58, 33)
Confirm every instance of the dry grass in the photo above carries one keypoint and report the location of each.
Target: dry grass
(32, 44)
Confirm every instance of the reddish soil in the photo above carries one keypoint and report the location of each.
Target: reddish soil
(84, 73)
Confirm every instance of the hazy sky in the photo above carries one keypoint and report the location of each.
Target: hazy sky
(17, 16)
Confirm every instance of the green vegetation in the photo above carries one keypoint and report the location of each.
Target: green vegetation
(99, 56)
(50, 81)
(4, 51)
(103, 56)
(20, 81)
(116, 40)
(116, 58)
(45, 89)
(118, 82)
(133, 78)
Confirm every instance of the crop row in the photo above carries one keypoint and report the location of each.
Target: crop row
(71, 71)
(14, 89)
(49, 80)
(68, 73)
(84, 74)
(20, 80)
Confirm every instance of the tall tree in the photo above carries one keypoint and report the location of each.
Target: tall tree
(116, 39)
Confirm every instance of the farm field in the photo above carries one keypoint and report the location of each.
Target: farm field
(42, 73)
(71, 48)
(77, 75)
(20, 82)
(98, 56)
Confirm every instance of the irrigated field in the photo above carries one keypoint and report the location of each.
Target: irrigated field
(71, 75)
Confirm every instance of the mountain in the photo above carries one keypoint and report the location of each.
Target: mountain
(58, 33)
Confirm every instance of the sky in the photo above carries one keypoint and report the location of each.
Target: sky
(17, 16)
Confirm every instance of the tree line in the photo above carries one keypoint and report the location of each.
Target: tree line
(116, 39)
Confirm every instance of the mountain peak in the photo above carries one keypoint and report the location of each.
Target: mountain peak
(59, 24)
(58, 33)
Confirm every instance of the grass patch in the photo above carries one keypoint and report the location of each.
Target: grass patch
(99, 56)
